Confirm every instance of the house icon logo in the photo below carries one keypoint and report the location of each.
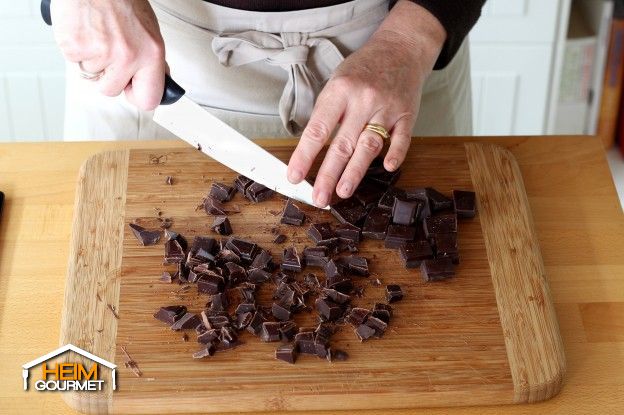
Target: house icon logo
(69, 376)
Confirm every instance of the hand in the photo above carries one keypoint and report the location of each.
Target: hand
(381, 84)
(122, 38)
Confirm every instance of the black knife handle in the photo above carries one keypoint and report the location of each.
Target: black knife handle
(1, 203)
(172, 93)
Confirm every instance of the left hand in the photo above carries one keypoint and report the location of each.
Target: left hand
(380, 83)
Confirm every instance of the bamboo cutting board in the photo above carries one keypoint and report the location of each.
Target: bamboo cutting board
(487, 336)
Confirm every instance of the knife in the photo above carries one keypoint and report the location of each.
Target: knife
(189, 121)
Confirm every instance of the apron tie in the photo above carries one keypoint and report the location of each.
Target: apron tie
(309, 61)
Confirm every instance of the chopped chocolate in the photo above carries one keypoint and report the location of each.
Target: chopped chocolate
(255, 325)
(222, 192)
(376, 324)
(221, 225)
(364, 332)
(257, 275)
(368, 192)
(420, 194)
(336, 296)
(292, 215)
(226, 255)
(311, 281)
(218, 321)
(290, 260)
(243, 308)
(244, 249)
(144, 236)
(383, 315)
(236, 274)
(170, 314)
(405, 212)
(281, 312)
(376, 224)
(331, 269)
(315, 256)
(348, 231)
(437, 269)
(328, 309)
(248, 292)
(438, 200)
(213, 207)
(382, 306)
(387, 200)
(182, 274)
(357, 316)
(228, 335)
(210, 283)
(243, 320)
(288, 330)
(174, 254)
(340, 283)
(357, 265)
(166, 277)
(257, 192)
(305, 342)
(399, 235)
(203, 248)
(465, 204)
(209, 350)
(413, 253)
(270, 331)
(241, 183)
(188, 321)
(287, 353)
(218, 303)
(263, 260)
(393, 293)
(169, 180)
(280, 239)
(446, 223)
(208, 336)
(446, 246)
(349, 211)
(171, 235)
(320, 233)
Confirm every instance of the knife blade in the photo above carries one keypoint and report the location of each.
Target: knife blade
(216, 139)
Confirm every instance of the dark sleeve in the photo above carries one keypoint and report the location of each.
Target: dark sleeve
(457, 17)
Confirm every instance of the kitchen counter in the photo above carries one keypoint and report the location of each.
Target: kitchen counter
(578, 218)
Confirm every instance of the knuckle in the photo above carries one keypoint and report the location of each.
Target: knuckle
(317, 132)
(341, 84)
(323, 178)
(109, 90)
(342, 148)
(371, 143)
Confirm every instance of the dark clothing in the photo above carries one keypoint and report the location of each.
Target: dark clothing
(457, 16)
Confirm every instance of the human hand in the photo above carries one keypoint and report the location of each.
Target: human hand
(381, 84)
(120, 37)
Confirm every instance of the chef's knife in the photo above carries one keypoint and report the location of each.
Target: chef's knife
(216, 139)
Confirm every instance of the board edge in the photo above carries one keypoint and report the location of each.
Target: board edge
(527, 312)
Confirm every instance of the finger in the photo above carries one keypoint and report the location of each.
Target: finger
(400, 140)
(329, 108)
(145, 90)
(114, 80)
(369, 145)
(338, 155)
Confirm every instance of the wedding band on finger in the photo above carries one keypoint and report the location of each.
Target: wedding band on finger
(378, 129)
(89, 76)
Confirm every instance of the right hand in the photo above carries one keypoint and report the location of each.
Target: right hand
(121, 37)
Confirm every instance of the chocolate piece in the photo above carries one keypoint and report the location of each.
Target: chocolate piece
(144, 236)
(203, 248)
(280, 239)
(210, 283)
(368, 192)
(446, 246)
(170, 314)
(222, 192)
(257, 276)
(440, 224)
(166, 277)
(226, 255)
(218, 321)
(288, 331)
(270, 331)
(311, 281)
(241, 183)
(315, 256)
(174, 254)
(218, 303)
(357, 316)
(244, 249)
(399, 235)
(438, 200)
(320, 233)
(182, 274)
(387, 200)
(364, 332)
(209, 350)
(169, 180)
(228, 335)
(171, 235)
(292, 215)
(382, 306)
(281, 312)
(405, 212)
(331, 269)
(208, 336)
(376, 224)
(349, 211)
(420, 194)
(305, 342)
(465, 204)
(243, 320)
(290, 260)
(437, 269)
(263, 260)
(357, 265)
(376, 324)
(336, 296)
(328, 309)
(287, 353)
(387, 178)
(243, 308)
(257, 192)
(383, 315)
(338, 355)
(213, 207)
(340, 283)
(348, 231)
(255, 325)
(188, 321)
(221, 225)
(413, 253)
(393, 293)
(236, 274)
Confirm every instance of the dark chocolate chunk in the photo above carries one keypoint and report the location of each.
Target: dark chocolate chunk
(243, 320)
(290, 260)
(218, 302)
(213, 207)
(222, 192)
(188, 321)
(336, 296)
(438, 200)
(331, 269)
(398, 235)
(255, 325)
(288, 331)
(357, 265)
(364, 332)
(166, 277)
(292, 215)
(270, 331)
(376, 224)
(357, 316)
(144, 236)
(311, 281)
(349, 211)
(244, 249)
(257, 275)
(387, 200)
(218, 321)
(257, 192)
(210, 283)
(340, 283)
(287, 353)
(228, 335)
(320, 233)
(241, 183)
(405, 212)
(281, 312)
(383, 315)
(305, 342)
(170, 314)
(171, 235)
(263, 260)
(221, 225)
(393, 293)
(315, 256)
(446, 246)
(465, 204)
(413, 253)
(280, 239)
(328, 309)
(174, 254)
(446, 223)
(209, 350)
(348, 231)
(236, 274)
(420, 194)
(368, 192)
(244, 308)
(382, 306)
(208, 336)
(437, 269)
(376, 324)
(169, 180)
(203, 248)
(226, 255)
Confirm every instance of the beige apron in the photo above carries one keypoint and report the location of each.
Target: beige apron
(261, 71)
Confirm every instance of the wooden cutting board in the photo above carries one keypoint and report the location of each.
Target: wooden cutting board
(487, 336)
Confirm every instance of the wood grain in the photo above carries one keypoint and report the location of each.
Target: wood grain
(446, 346)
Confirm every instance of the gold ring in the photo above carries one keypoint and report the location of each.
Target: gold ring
(89, 76)
(379, 129)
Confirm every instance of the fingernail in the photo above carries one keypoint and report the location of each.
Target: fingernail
(322, 199)
(393, 163)
(295, 176)
(346, 189)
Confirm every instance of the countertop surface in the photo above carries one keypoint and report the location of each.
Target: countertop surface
(578, 218)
